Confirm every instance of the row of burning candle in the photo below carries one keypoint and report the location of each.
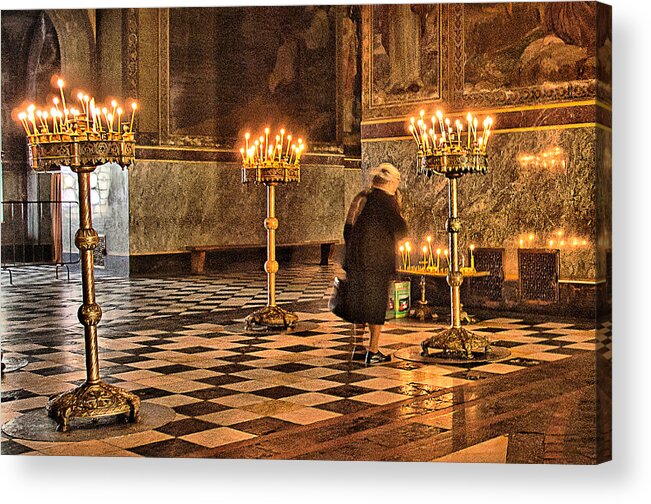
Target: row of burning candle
(426, 260)
(64, 119)
(262, 152)
(449, 138)
(557, 240)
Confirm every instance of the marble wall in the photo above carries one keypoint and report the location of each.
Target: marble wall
(542, 71)
(513, 200)
(176, 204)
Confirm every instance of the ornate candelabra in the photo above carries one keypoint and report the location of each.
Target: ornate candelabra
(270, 163)
(83, 140)
(449, 155)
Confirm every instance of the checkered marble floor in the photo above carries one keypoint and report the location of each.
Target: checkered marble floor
(124, 300)
(171, 341)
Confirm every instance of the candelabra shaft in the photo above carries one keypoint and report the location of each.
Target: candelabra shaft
(89, 312)
(454, 276)
(271, 223)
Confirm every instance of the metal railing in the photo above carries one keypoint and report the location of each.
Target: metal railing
(27, 237)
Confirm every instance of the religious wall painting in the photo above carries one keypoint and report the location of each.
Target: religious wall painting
(533, 51)
(405, 54)
(351, 77)
(265, 64)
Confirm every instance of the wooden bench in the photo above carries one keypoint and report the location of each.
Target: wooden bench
(198, 253)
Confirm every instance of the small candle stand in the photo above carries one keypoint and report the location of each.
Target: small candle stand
(83, 140)
(448, 155)
(421, 310)
(271, 164)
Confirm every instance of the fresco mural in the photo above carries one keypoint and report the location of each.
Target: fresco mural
(514, 45)
(405, 56)
(230, 66)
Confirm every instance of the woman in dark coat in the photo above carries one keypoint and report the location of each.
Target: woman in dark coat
(372, 229)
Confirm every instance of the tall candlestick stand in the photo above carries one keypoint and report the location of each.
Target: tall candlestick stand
(270, 173)
(455, 339)
(83, 150)
(452, 158)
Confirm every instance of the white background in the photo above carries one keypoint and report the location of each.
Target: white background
(626, 479)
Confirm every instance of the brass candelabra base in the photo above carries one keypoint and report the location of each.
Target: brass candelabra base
(456, 341)
(422, 311)
(271, 317)
(93, 400)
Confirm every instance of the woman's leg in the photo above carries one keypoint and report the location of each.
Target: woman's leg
(374, 341)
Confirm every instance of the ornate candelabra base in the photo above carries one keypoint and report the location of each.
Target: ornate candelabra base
(422, 311)
(93, 400)
(271, 317)
(456, 341)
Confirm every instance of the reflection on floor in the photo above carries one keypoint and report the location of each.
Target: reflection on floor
(176, 341)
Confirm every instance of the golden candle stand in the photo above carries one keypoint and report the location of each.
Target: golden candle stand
(271, 173)
(422, 310)
(453, 164)
(83, 150)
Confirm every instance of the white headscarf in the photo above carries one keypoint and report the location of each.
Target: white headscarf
(386, 172)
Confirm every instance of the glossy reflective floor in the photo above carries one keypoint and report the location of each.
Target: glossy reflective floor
(178, 342)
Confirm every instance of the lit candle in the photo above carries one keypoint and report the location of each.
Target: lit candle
(80, 97)
(469, 119)
(412, 130)
(447, 258)
(119, 119)
(39, 114)
(438, 259)
(55, 100)
(408, 247)
(53, 113)
(242, 153)
(459, 129)
(449, 129)
(430, 259)
(114, 104)
(521, 242)
(276, 147)
(22, 117)
(474, 130)
(472, 256)
(424, 260)
(134, 106)
(289, 141)
(423, 135)
(300, 151)
(105, 114)
(292, 154)
(63, 98)
(551, 243)
(88, 111)
(266, 140)
(402, 256)
(282, 140)
(439, 114)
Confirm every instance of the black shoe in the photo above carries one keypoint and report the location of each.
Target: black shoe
(376, 358)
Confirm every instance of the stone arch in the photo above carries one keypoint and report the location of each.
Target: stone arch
(77, 45)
